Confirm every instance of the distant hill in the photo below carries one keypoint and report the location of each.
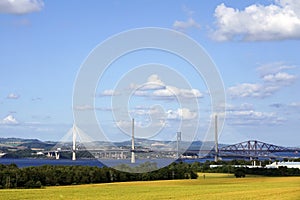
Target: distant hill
(139, 142)
(16, 140)
(38, 144)
(27, 143)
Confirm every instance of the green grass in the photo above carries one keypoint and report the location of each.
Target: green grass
(214, 186)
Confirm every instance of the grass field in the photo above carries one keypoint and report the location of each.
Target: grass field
(214, 186)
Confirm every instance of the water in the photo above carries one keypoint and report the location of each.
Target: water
(25, 162)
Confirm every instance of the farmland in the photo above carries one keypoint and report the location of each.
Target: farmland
(214, 186)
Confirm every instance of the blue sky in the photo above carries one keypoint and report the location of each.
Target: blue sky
(254, 44)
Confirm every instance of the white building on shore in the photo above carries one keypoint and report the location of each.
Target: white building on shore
(284, 164)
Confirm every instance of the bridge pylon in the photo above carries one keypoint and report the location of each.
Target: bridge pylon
(75, 133)
(216, 139)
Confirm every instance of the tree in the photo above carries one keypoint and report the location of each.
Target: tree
(239, 172)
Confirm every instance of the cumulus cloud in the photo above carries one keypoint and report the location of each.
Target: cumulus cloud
(288, 110)
(9, 120)
(243, 106)
(181, 114)
(272, 81)
(141, 93)
(153, 83)
(277, 21)
(184, 25)
(273, 68)
(246, 115)
(143, 110)
(127, 125)
(157, 89)
(20, 6)
(255, 90)
(252, 117)
(187, 24)
(295, 104)
(13, 96)
(171, 91)
(170, 114)
(281, 77)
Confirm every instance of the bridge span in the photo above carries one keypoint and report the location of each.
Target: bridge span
(248, 149)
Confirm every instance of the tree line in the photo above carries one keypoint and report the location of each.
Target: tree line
(48, 175)
(228, 167)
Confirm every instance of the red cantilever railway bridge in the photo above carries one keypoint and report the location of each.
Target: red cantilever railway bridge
(255, 148)
(250, 149)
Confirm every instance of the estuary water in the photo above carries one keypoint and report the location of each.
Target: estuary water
(26, 162)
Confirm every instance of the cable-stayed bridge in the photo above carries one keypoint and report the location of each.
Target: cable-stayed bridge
(247, 149)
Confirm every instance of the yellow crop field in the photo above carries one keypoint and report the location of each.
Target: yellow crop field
(214, 186)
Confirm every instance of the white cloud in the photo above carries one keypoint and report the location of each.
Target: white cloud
(109, 93)
(127, 125)
(189, 23)
(283, 77)
(13, 96)
(141, 93)
(142, 110)
(295, 104)
(243, 106)
(178, 114)
(20, 6)
(273, 68)
(184, 25)
(272, 81)
(9, 120)
(255, 90)
(252, 117)
(173, 92)
(153, 83)
(278, 21)
(157, 89)
(292, 4)
(181, 114)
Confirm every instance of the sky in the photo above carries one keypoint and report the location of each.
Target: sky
(253, 44)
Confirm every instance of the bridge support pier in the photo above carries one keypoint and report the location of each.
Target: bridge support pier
(57, 155)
